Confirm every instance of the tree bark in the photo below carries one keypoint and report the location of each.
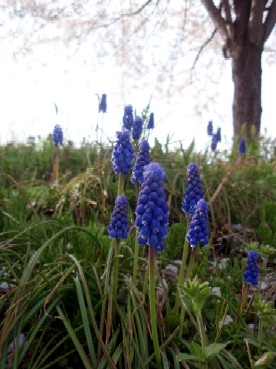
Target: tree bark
(247, 79)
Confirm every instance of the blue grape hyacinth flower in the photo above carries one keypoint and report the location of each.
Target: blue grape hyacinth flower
(210, 128)
(102, 104)
(251, 272)
(123, 153)
(137, 128)
(152, 220)
(151, 121)
(57, 135)
(198, 232)
(143, 158)
(118, 227)
(214, 142)
(128, 117)
(242, 148)
(193, 192)
(218, 135)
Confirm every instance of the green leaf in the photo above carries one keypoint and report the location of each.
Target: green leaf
(188, 357)
(266, 359)
(213, 349)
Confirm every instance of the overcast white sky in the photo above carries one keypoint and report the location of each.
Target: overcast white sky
(30, 87)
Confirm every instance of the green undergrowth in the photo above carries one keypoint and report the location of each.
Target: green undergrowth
(56, 264)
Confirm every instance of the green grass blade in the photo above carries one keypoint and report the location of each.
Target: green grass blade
(75, 340)
(85, 321)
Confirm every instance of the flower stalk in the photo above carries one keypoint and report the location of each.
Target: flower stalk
(152, 299)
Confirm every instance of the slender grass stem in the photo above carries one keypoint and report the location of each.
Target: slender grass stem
(152, 261)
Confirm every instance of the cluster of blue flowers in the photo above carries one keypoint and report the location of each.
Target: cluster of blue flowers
(216, 137)
(242, 148)
(128, 117)
(143, 158)
(102, 104)
(123, 153)
(198, 232)
(152, 221)
(250, 274)
(193, 192)
(57, 135)
(119, 227)
(137, 128)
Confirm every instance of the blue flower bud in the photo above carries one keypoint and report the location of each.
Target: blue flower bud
(152, 220)
(123, 153)
(137, 128)
(118, 227)
(128, 117)
(57, 135)
(251, 272)
(198, 232)
(194, 191)
(210, 128)
(242, 148)
(102, 104)
(151, 121)
(143, 158)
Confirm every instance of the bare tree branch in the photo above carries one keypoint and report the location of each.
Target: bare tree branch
(255, 28)
(216, 17)
(270, 20)
(202, 48)
(227, 9)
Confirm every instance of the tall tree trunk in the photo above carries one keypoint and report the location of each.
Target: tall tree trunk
(247, 78)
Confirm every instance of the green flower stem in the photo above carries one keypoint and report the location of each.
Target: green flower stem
(181, 273)
(135, 260)
(152, 261)
(191, 262)
(243, 299)
(117, 242)
(189, 273)
(116, 267)
(204, 341)
(121, 184)
(57, 166)
(181, 320)
(201, 331)
(136, 248)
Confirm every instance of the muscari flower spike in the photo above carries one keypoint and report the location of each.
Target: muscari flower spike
(198, 232)
(242, 148)
(151, 121)
(214, 142)
(210, 128)
(123, 153)
(152, 221)
(119, 227)
(250, 274)
(137, 128)
(102, 104)
(218, 135)
(143, 158)
(193, 192)
(128, 117)
(57, 135)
